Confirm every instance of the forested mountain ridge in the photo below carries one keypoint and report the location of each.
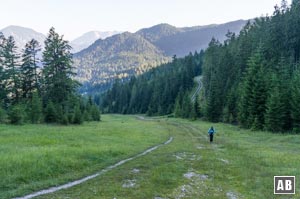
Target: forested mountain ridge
(115, 58)
(251, 79)
(158, 91)
(181, 41)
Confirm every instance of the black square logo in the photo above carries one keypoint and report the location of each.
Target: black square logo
(284, 184)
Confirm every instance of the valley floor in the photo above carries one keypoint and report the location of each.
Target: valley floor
(239, 164)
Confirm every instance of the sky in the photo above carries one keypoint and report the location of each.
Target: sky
(72, 18)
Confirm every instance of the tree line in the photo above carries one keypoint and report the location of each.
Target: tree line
(159, 91)
(34, 90)
(253, 79)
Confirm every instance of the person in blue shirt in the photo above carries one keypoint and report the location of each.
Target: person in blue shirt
(211, 132)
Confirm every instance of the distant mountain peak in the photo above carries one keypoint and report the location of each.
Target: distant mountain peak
(89, 38)
(22, 35)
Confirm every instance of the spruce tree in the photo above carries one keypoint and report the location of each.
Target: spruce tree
(295, 102)
(3, 78)
(29, 69)
(12, 72)
(16, 114)
(77, 117)
(35, 109)
(95, 113)
(58, 70)
(50, 113)
(274, 117)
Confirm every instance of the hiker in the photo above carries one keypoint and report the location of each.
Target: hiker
(211, 132)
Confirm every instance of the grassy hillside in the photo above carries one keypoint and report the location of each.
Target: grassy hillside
(38, 156)
(240, 164)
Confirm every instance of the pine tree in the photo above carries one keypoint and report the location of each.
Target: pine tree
(2, 114)
(58, 70)
(77, 118)
(11, 63)
(252, 102)
(29, 69)
(213, 109)
(274, 117)
(3, 78)
(295, 102)
(50, 115)
(95, 113)
(35, 109)
(16, 114)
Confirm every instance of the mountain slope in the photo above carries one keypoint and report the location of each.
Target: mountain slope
(127, 54)
(22, 35)
(89, 38)
(181, 41)
(119, 56)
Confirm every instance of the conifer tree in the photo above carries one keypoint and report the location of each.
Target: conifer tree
(50, 113)
(77, 117)
(29, 69)
(12, 72)
(295, 102)
(58, 70)
(274, 117)
(35, 109)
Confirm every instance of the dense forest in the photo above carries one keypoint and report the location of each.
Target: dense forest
(254, 78)
(157, 91)
(251, 79)
(36, 91)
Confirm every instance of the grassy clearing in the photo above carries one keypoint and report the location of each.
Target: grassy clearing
(240, 164)
(33, 157)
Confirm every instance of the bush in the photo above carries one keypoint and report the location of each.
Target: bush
(50, 116)
(2, 115)
(95, 113)
(16, 114)
(77, 118)
(35, 110)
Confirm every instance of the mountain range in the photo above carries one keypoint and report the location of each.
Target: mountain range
(124, 55)
(22, 35)
(102, 57)
(89, 38)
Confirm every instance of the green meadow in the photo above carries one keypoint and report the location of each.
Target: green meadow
(239, 164)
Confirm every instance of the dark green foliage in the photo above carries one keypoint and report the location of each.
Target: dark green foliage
(274, 117)
(35, 112)
(58, 70)
(156, 92)
(11, 75)
(95, 113)
(48, 94)
(16, 114)
(3, 115)
(249, 79)
(50, 113)
(295, 102)
(29, 69)
(77, 117)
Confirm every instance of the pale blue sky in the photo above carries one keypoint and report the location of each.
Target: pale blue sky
(75, 17)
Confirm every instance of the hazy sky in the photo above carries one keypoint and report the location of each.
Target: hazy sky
(75, 17)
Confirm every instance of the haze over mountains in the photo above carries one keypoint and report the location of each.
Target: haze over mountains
(127, 54)
(106, 56)
(89, 38)
(22, 35)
